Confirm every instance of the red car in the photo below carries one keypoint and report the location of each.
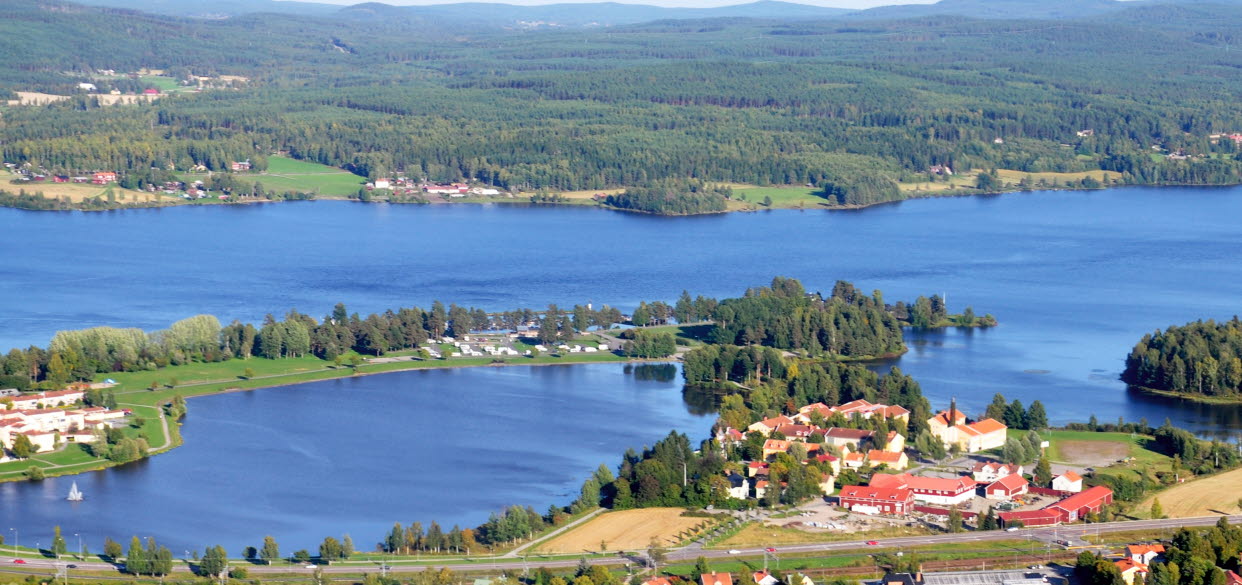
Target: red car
(20, 561)
(770, 549)
(873, 542)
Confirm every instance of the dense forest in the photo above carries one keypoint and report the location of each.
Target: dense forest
(785, 316)
(1203, 358)
(850, 107)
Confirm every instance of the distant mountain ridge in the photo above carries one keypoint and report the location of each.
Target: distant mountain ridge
(584, 14)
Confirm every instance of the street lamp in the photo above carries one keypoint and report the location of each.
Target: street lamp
(81, 551)
(15, 535)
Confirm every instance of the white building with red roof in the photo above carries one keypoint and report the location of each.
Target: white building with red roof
(940, 491)
(990, 471)
(874, 500)
(1067, 482)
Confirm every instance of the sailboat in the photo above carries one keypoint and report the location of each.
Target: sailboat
(74, 494)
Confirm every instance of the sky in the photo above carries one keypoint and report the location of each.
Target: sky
(671, 3)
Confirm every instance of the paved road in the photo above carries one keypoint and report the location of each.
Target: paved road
(498, 564)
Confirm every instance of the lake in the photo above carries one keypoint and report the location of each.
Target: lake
(1075, 279)
(352, 456)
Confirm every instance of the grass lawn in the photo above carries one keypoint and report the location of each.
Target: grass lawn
(286, 174)
(693, 334)
(786, 196)
(1016, 176)
(756, 534)
(162, 83)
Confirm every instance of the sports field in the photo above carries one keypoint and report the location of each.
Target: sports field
(624, 530)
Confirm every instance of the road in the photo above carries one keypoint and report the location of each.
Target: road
(497, 564)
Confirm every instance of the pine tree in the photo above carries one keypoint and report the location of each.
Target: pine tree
(1157, 511)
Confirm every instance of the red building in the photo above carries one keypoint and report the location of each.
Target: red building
(876, 500)
(1030, 518)
(1080, 504)
(1006, 488)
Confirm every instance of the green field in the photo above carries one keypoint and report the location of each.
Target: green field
(286, 174)
(789, 197)
(162, 83)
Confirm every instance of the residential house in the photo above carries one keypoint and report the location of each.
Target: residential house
(773, 446)
(715, 578)
(873, 500)
(1006, 488)
(895, 442)
(150, 91)
(1144, 553)
(656, 581)
(384, 183)
(764, 578)
(1232, 578)
(1067, 482)
(832, 460)
(767, 425)
(896, 461)
(240, 165)
(852, 459)
(796, 432)
(761, 488)
(739, 488)
(1129, 569)
(852, 438)
(990, 471)
(103, 178)
(828, 483)
(940, 491)
(47, 399)
(756, 468)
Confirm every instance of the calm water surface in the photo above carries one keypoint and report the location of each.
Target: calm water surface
(1075, 279)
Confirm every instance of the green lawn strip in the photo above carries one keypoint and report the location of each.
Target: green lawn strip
(786, 197)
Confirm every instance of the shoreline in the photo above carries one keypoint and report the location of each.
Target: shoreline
(748, 207)
(1196, 398)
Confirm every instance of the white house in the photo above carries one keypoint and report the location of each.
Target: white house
(1067, 482)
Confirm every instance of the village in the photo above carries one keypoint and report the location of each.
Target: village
(970, 485)
(51, 419)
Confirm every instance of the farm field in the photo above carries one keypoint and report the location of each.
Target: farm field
(786, 196)
(754, 535)
(286, 174)
(624, 530)
(1217, 494)
(81, 192)
(1009, 176)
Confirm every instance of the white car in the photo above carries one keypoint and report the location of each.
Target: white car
(1011, 529)
(735, 552)
(309, 566)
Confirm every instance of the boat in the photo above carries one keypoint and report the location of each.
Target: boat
(74, 494)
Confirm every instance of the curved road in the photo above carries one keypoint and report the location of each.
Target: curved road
(1043, 534)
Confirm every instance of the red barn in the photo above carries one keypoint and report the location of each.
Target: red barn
(1080, 504)
(1006, 488)
(875, 500)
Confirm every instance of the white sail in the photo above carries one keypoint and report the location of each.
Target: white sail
(74, 494)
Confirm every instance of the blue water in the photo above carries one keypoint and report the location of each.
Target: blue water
(1075, 279)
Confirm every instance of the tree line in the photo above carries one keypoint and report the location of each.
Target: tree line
(1203, 358)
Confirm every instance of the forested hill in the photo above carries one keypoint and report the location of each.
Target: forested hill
(1203, 358)
(862, 108)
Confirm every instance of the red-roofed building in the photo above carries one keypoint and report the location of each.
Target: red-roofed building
(767, 425)
(896, 461)
(853, 438)
(657, 581)
(1144, 553)
(944, 491)
(103, 178)
(1030, 518)
(773, 446)
(715, 578)
(1067, 482)
(1081, 504)
(1232, 578)
(1006, 488)
(793, 431)
(1129, 569)
(756, 468)
(874, 500)
(764, 578)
